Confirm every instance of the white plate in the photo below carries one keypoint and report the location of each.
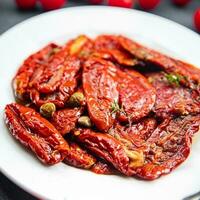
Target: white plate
(64, 182)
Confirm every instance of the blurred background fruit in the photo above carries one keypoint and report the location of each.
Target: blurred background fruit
(197, 19)
(148, 4)
(52, 4)
(181, 2)
(26, 4)
(121, 3)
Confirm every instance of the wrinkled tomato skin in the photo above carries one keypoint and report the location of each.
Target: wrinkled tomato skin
(173, 100)
(100, 90)
(106, 147)
(137, 97)
(102, 168)
(60, 65)
(65, 120)
(78, 157)
(67, 85)
(21, 80)
(36, 133)
(109, 48)
(165, 63)
(134, 136)
(169, 146)
(44, 82)
(106, 42)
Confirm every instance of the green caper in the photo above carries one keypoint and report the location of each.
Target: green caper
(85, 121)
(76, 99)
(47, 109)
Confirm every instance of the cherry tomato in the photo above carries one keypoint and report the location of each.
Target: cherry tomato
(148, 4)
(52, 4)
(197, 19)
(26, 4)
(121, 3)
(95, 1)
(181, 2)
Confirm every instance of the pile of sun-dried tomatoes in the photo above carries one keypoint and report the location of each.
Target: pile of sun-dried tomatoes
(107, 104)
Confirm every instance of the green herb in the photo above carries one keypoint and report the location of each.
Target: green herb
(174, 79)
(114, 107)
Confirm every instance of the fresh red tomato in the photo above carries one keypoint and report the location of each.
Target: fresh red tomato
(121, 3)
(148, 4)
(197, 19)
(96, 1)
(52, 4)
(26, 4)
(181, 2)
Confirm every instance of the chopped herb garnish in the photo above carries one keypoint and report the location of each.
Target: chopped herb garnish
(174, 79)
(115, 107)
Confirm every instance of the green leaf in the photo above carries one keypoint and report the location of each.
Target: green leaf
(174, 79)
(114, 107)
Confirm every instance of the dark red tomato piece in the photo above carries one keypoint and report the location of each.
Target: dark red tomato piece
(109, 48)
(166, 63)
(22, 78)
(79, 157)
(121, 3)
(169, 146)
(26, 4)
(65, 119)
(100, 90)
(39, 99)
(197, 19)
(137, 97)
(148, 4)
(52, 4)
(60, 86)
(102, 168)
(112, 150)
(117, 56)
(36, 133)
(106, 42)
(181, 2)
(134, 136)
(48, 78)
(172, 99)
(105, 147)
